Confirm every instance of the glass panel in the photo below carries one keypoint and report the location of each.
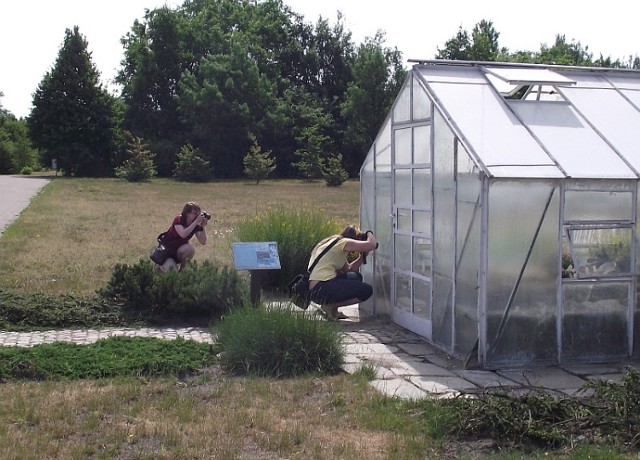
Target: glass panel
(403, 146)
(593, 205)
(422, 256)
(594, 325)
(491, 130)
(422, 222)
(403, 292)
(404, 219)
(522, 273)
(600, 251)
(403, 187)
(422, 188)
(403, 252)
(571, 141)
(442, 311)
(618, 124)
(422, 298)
(383, 145)
(467, 283)
(422, 147)
(421, 102)
(444, 233)
(402, 108)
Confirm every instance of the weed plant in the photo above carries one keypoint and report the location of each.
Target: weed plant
(296, 230)
(200, 290)
(278, 342)
(112, 357)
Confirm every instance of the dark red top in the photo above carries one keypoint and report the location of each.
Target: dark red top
(173, 240)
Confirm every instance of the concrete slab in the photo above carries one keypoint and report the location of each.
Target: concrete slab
(399, 388)
(548, 377)
(486, 379)
(440, 385)
(413, 367)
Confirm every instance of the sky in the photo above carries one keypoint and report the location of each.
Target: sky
(32, 31)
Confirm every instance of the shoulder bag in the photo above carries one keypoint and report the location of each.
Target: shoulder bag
(299, 286)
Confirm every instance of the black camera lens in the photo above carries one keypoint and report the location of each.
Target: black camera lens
(206, 215)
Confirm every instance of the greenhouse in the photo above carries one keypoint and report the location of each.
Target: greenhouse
(505, 201)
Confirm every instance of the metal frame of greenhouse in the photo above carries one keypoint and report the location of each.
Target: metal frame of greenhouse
(505, 201)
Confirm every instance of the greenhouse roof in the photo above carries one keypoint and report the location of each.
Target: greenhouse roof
(540, 121)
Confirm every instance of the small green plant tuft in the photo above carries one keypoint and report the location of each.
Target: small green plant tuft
(112, 357)
(26, 170)
(296, 231)
(200, 291)
(191, 166)
(333, 172)
(139, 167)
(279, 343)
(258, 164)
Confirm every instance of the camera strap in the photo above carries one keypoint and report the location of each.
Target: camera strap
(324, 251)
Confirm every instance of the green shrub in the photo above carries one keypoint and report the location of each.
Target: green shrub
(139, 167)
(26, 170)
(190, 166)
(201, 290)
(112, 357)
(333, 172)
(296, 231)
(23, 311)
(278, 343)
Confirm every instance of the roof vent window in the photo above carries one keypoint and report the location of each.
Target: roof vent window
(527, 84)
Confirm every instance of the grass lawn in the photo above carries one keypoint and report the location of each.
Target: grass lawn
(71, 236)
(68, 241)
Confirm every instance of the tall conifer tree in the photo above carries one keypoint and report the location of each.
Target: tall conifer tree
(72, 119)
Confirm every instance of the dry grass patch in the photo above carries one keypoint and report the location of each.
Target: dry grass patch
(210, 416)
(77, 230)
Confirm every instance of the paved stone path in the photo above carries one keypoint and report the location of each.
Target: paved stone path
(406, 365)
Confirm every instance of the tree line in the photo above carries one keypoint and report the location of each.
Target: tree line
(224, 79)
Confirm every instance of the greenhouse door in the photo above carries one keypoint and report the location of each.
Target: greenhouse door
(411, 239)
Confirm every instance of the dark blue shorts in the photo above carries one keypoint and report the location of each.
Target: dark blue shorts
(343, 287)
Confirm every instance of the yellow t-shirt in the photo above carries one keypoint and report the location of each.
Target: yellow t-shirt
(328, 267)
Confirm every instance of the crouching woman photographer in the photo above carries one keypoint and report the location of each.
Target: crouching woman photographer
(192, 221)
(335, 282)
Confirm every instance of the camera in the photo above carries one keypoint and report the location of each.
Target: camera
(206, 215)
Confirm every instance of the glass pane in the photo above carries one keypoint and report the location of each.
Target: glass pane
(618, 124)
(404, 219)
(403, 292)
(422, 298)
(594, 325)
(594, 205)
(402, 108)
(600, 251)
(403, 146)
(570, 140)
(422, 222)
(403, 252)
(421, 102)
(422, 256)
(422, 188)
(422, 141)
(403, 187)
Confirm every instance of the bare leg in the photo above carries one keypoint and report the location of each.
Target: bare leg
(332, 309)
(185, 254)
(168, 265)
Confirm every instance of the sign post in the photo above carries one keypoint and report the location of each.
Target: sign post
(256, 257)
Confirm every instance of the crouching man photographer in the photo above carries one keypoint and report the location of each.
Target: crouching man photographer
(335, 282)
(192, 221)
